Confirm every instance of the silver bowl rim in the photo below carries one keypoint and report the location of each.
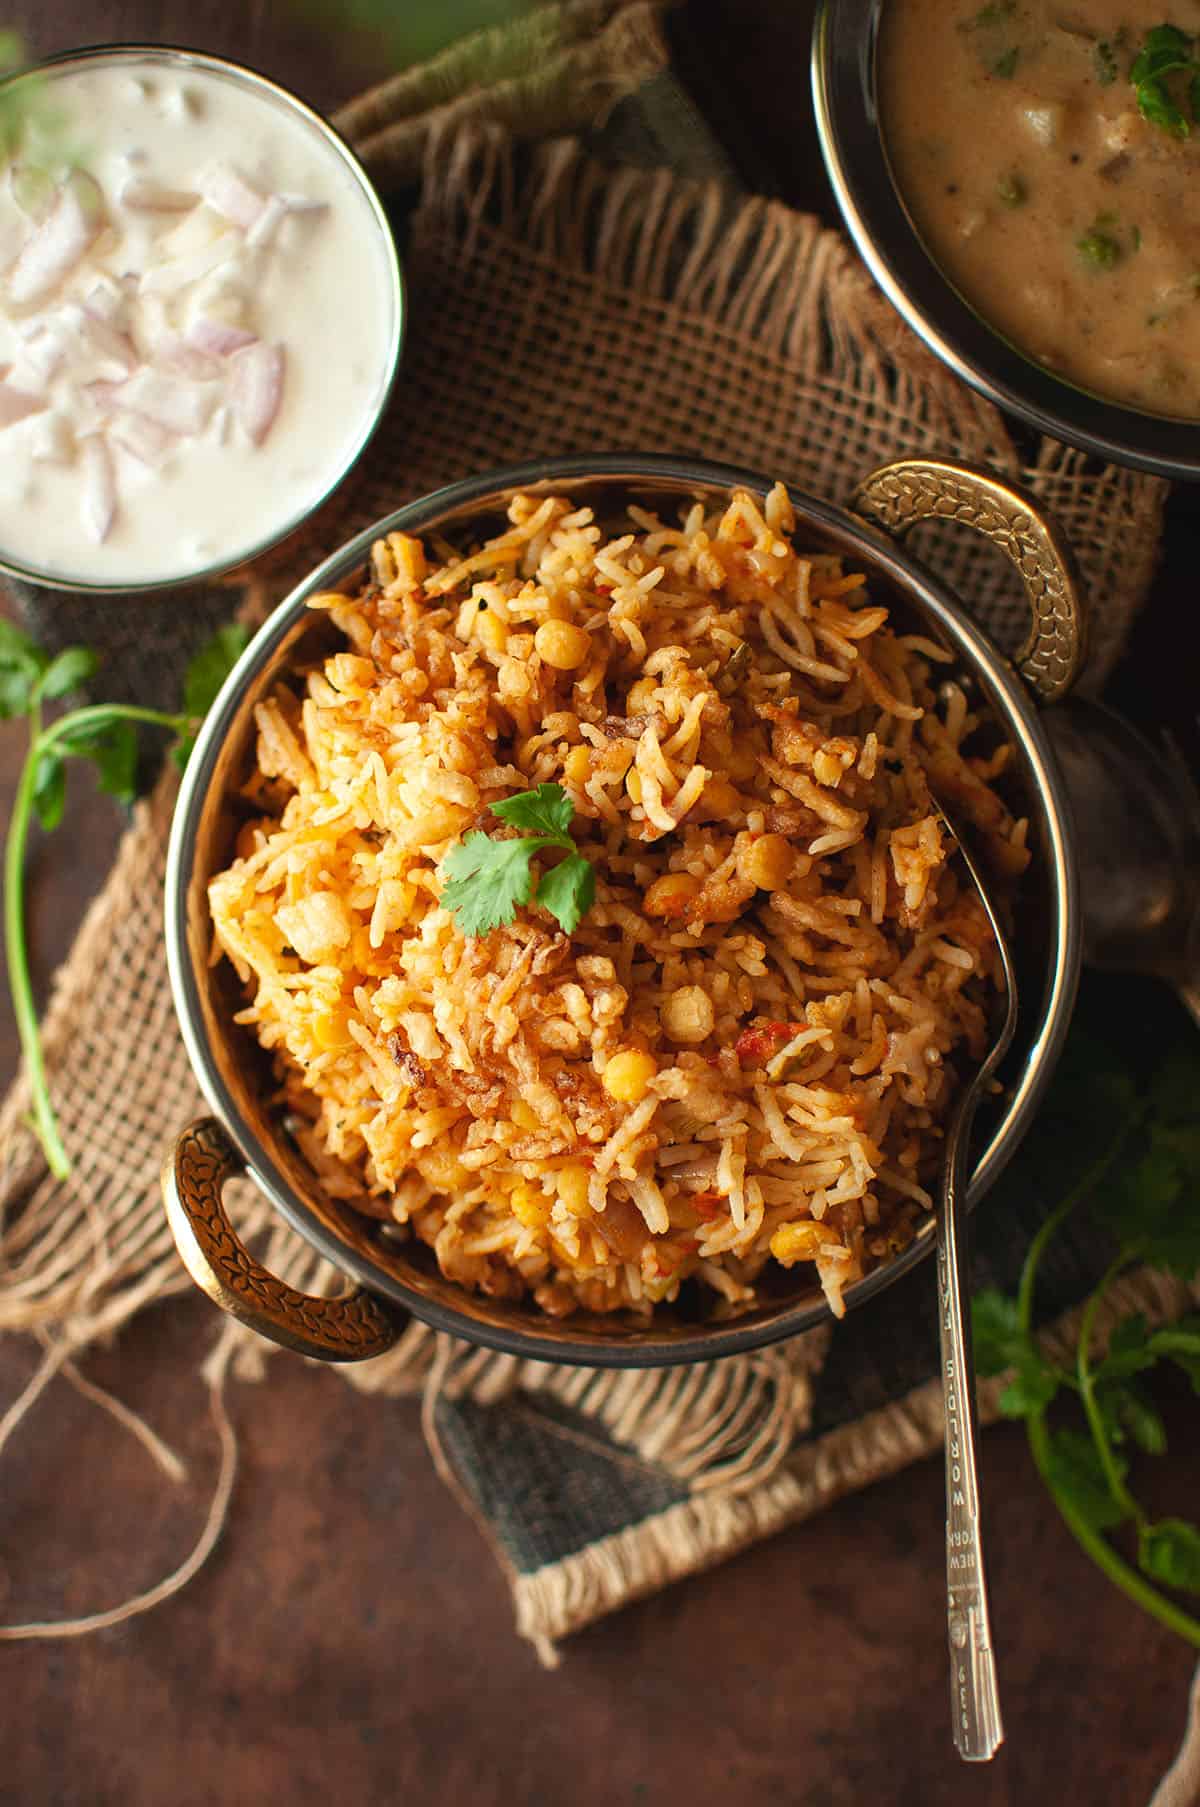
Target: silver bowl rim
(844, 51)
(556, 1343)
(180, 55)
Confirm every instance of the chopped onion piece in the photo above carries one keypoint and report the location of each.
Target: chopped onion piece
(144, 196)
(112, 348)
(99, 500)
(197, 229)
(229, 194)
(142, 438)
(217, 339)
(108, 300)
(303, 204)
(169, 278)
(186, 359)
(173, 402)
(256, 388)
(51, 440)
(97, 402)
(40, 357)
(267, 224)
(17, 404)
(59, 243)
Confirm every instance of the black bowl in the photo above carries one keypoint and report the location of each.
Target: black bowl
(845, 95)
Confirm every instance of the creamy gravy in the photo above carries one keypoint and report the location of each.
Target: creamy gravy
(1065, 217)
(196, 324)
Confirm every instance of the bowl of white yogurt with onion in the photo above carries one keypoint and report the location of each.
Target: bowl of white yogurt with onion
(201, 315)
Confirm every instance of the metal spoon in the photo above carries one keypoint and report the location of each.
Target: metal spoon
(1137, 831)
(974, 1697)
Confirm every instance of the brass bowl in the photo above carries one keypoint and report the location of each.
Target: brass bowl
(398, 1277)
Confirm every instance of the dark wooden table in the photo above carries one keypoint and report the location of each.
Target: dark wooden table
(351, 1640)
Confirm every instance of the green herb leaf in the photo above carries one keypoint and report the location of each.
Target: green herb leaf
(1005, 64)
(567, 891)
(1099, 248)
(1031, 1389)
(113, 749)
(488, 881)
(1180, 1343)
(1129, 1350)
(1156, 106)
(1165, 47)
(1000, 1344)
(211, 666)
(1146, 1204)
(1141, 1419)
(547, 810)
(50, 790)
(116, 762)
(999, 1341)
(22, 663)
(18, 650)
(73, 667)
(1170, 1551)
(1076, 1475)
(1165, 51)
(16, 691)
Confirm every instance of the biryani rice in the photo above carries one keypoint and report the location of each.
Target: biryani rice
(745, 1052)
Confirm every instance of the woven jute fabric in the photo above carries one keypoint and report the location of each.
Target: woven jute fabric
(557, 306)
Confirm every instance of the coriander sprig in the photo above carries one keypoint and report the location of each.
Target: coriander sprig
(487, 880)
(105, 734)
(1148, 1204)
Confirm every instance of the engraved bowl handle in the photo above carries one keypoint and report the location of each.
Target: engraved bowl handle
(334, 1330)
(899, 495)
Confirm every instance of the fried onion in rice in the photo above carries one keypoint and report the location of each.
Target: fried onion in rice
(745, 1052)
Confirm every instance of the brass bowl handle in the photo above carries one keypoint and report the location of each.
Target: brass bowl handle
(334, 1330)
(899, 495)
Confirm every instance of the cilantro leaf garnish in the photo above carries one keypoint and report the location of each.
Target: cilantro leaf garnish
(487, 880)
(106, 735)
(547, 810)
(568, 890)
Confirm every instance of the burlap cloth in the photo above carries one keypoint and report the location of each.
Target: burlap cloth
(562, 304)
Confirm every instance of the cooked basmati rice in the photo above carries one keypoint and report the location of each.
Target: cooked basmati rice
(744, 1053)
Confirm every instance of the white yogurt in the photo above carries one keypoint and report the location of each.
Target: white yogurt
(197, 324)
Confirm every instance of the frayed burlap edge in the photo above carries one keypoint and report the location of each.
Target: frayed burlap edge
(555, 1601)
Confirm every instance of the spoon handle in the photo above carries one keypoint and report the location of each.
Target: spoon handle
(974, 1697)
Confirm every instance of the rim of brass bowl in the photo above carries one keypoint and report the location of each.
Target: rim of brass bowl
(179, 57)
(844, 61)
(351, 1242)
